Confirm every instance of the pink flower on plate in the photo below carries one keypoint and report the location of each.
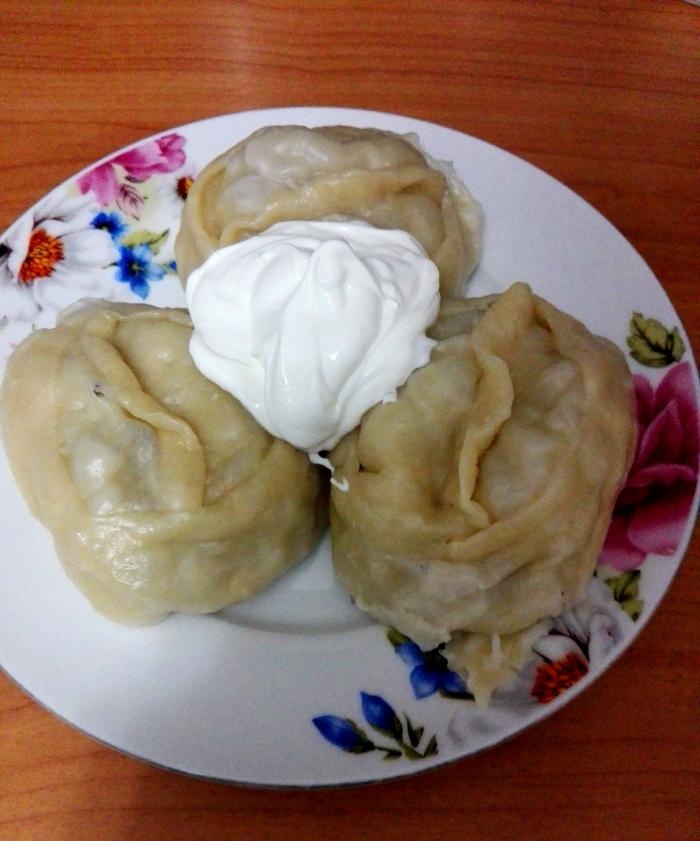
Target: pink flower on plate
(129, 200)
(655, 502)
(165, 154)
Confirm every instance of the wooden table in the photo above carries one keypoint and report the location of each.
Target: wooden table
(604, 96)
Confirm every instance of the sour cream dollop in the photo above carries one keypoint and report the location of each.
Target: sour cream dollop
(309, 324)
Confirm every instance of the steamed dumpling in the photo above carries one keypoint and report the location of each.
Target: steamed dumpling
(161, 491)
(294, 173)
(477, 503)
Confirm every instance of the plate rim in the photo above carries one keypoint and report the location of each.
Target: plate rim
(618, 650)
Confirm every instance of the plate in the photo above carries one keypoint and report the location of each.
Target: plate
(296, 687)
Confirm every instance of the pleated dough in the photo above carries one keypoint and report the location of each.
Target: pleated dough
(478, 502)
(283, 173)
(161, 491)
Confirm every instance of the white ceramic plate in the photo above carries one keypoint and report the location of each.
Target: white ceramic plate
(296, 687)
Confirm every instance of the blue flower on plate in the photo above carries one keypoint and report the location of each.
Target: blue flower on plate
(430, 672)
(380, 715)
(137, 268)
(112, 223)
(345, 734)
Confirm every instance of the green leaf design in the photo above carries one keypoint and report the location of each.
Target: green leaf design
(625, 591)
(431, 748)
(415, 734)
(150, 238)
(391, 754)
(633, 608)
(365, 744)
(677, 346)
(652, 344)
(396, 638)
(394, 729)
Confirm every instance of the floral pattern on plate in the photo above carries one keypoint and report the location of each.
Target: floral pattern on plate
(655, 502)
(117, 180)
(649, 518)
(345, 734)
(109, 233)
(429, 671)
(578, 642)
(52, 255)
(102, 237)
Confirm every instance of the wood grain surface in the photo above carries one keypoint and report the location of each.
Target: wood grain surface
(603, 96)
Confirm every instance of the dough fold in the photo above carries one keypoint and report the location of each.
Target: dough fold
(283, 173)
(161, 492)
(478, 501)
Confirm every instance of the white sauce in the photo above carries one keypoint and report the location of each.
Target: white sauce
(309, 324)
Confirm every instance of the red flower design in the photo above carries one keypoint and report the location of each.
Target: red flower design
(43, 253)
(551, 679)
(655, 502)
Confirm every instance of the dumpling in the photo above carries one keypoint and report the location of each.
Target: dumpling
(161, 491)
(478, 501)
(285, 173)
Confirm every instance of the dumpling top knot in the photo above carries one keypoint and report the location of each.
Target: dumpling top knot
(284, 173)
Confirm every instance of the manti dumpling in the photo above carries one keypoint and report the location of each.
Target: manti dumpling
(477, 502)
(283, 173)
(161, 491)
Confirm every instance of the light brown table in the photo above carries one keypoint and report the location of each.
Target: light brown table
(604, 96)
